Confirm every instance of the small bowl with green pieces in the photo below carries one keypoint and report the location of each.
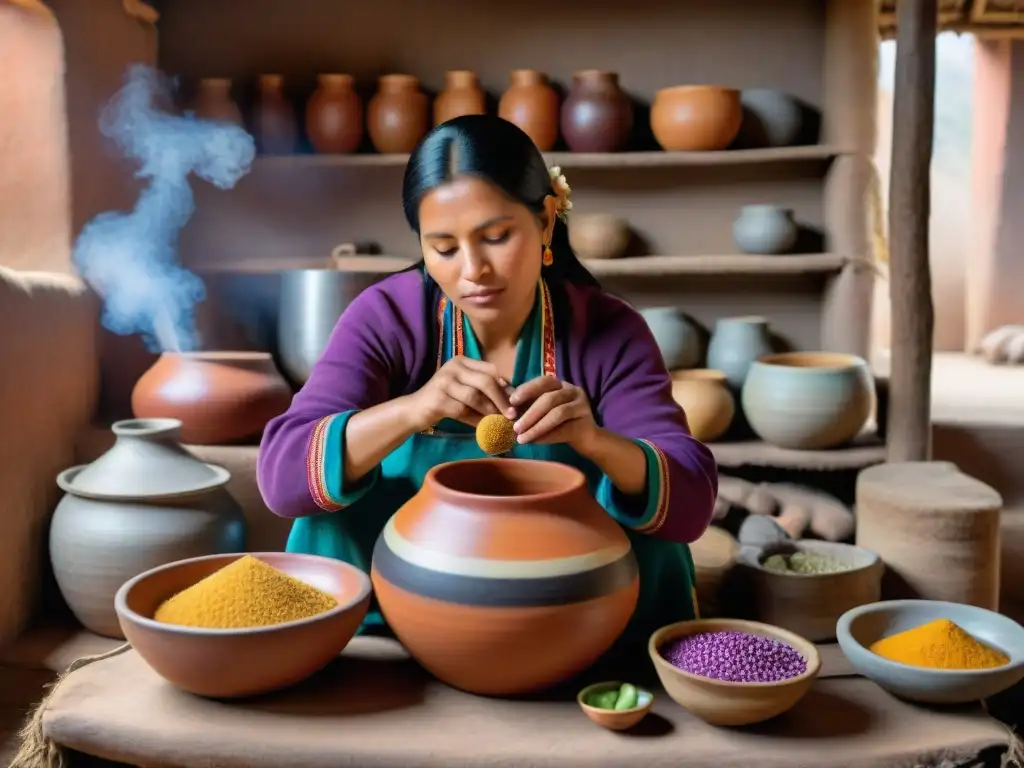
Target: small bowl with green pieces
(615, 705)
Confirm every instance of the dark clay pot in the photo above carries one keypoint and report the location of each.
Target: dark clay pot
(334, 116)
(598, 115)
(275, 123)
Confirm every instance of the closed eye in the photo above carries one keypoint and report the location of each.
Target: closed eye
(502, 238)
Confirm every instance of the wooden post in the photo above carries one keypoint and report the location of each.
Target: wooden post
(910, 284)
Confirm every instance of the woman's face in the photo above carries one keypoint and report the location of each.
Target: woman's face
(482, 248)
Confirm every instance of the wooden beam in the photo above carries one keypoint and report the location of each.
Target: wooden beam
(910, 285)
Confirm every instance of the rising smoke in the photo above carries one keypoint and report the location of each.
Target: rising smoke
(130, 259)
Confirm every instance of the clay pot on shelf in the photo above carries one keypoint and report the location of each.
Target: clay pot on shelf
(598, 235)
(691, 118)
(735, 344)
(568, 575)
(144, 503)
(676, 335)
(398, 114)
(765, 229)
(334, 116)
(705, 397)
(274, 124)
(597, 116)
(213, 101)
(532, 104)
(772, 118)
(462, 95)
(220, 397)
(808, 400)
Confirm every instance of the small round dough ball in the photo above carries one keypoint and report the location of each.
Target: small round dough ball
(495, 435)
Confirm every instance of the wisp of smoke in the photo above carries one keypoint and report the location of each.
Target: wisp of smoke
(130, 259)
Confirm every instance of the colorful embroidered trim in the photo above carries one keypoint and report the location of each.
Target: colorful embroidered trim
(316, 477)
(661, 510)
(547, 321)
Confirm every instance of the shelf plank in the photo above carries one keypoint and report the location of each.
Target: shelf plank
(786, 155)
(865, 451)
(725, 264)
(653, 266)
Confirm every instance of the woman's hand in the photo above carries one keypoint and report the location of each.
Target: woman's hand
(462, 389)
(556, 412)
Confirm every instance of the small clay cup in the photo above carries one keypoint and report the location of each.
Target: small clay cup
(232, 663)
(615, 720)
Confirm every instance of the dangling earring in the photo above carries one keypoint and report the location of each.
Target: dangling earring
(549, 258)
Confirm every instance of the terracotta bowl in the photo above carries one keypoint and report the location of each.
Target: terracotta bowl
(695, 118)
(718, 702)
(615, 720)
(230, 663)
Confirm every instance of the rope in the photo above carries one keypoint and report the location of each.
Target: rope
(1014, 755)
(37, 750)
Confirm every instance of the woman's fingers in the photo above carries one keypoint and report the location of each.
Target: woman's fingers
(471, 397)
(490, 389)
(540, 408)
(548, 423)
(531, 390)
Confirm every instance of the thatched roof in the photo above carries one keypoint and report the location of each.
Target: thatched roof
(986, 18)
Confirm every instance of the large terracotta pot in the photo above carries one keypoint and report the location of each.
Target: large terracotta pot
(275, 125)
(693, 118)
(334, 116)
(398, 114)
(531, 104)
(705, 397)
(220, 397)
(597, 116)
(504, 576)
(808, 400)
(461, 96)
(144, 503)
(213, 101)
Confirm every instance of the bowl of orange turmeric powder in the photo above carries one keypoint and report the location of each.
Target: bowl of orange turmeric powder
(933, 652)
(228, 626)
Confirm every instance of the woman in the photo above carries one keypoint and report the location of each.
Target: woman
(500, 317)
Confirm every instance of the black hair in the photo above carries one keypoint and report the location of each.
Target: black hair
(499, 152)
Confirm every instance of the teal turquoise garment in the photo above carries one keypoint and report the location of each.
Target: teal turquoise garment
(666, 568)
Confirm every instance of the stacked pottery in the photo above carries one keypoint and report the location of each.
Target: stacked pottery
(504, 576)
(808, 400)
(398, 115)
(735, 344)
(696, 117)
(144, 503)
(219, 397)
(275, 124)
(334, 116)
(461, 96)
(214, 102)
(597, 116)
(676, 335)
(765, 229)
(531, 104)
(704, 396)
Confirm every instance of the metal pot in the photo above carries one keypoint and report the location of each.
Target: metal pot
(312, 300)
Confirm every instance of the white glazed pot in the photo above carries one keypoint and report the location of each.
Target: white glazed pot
(808, 400)
(144, 503)
(765, 229)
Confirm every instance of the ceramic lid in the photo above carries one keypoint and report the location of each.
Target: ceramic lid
(145, 462)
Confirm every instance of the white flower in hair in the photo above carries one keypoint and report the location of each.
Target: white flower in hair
(562, 192)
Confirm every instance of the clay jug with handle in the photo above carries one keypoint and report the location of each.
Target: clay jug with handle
(334, 115)
(532, 104)
(461, 96)
(398, 115)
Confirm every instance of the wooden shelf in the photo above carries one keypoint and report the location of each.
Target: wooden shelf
(866, 451)
(786, 155)
(635, 266)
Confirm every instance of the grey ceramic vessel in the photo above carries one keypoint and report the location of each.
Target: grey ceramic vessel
(858, 628)
(765, 229)
(676, 336)
(778, 115)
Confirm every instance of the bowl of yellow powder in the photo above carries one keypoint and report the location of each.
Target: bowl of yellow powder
(227, 626)
(932, 651)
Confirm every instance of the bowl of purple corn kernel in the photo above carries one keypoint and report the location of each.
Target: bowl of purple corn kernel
(733, 672)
